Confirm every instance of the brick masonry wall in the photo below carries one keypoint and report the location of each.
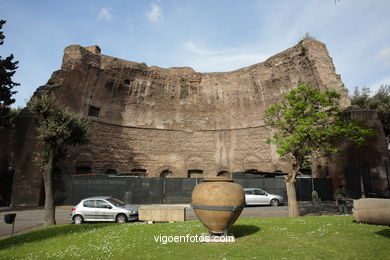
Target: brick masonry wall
(156, 150)
(177, 119)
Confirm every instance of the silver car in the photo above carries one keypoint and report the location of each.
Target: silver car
(103, 208)
(254, 196)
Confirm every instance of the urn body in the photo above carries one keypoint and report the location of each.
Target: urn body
(218, 202)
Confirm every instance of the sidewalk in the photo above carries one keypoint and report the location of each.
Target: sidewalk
(29, 218)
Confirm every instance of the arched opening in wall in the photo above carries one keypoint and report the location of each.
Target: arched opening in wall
(84, 168)
(251, 171)
(165, 173)
(278, 173)
(139, 163)
(223, 174)
(195, 173)
(138, 172)
(111, 172)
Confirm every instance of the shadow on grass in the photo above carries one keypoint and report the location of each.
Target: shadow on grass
(243, 230)
(310, 209)
(384, 232)
(47, 233)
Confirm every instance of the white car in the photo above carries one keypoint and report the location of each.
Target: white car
(103, 208)
(254, 196)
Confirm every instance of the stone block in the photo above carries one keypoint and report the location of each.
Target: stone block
(162, 213)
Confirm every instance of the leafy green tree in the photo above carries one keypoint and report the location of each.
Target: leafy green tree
(380, 102)
(58, 129)
(309, 123)
(7, 70)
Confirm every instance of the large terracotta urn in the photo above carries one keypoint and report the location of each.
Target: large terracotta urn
(218, 202)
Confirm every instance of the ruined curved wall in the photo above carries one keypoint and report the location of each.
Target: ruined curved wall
(364, 169)
(178, 122)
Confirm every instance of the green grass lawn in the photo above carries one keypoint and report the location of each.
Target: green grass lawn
(327, 237)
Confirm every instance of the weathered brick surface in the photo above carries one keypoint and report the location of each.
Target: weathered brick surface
(127, 148)
(177, 119)
(27, 179)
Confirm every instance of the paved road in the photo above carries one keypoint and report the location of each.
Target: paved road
(31, 218)
(28, 219)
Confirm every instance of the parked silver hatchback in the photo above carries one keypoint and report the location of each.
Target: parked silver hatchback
(103, 208)
(254, 196)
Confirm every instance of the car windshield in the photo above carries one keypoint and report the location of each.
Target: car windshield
(116, 202)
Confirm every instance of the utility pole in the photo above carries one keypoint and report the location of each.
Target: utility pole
(361, 181)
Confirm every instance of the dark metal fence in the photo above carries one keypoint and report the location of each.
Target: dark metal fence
(271, 185)
(305, 188)
(69, 190)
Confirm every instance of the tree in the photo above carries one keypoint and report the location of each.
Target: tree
(7, 70)
(58, 129)
(380, 102)
(308, 123)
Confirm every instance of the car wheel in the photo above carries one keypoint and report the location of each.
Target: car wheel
(121, 218)
(275, 202)
(78, 219)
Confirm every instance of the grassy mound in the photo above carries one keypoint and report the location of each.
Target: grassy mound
(332, 237)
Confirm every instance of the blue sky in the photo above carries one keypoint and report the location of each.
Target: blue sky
(208, 35)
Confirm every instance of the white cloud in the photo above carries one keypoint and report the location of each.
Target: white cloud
(384, 55)
(374, 87)
(105, 14)
(209, 60)
(154, 14)
(196, 49)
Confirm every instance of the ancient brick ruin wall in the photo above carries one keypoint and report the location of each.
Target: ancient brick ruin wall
(177, 119)
(133, 94)
(126, 149)
(27, 179)
(368, 163)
